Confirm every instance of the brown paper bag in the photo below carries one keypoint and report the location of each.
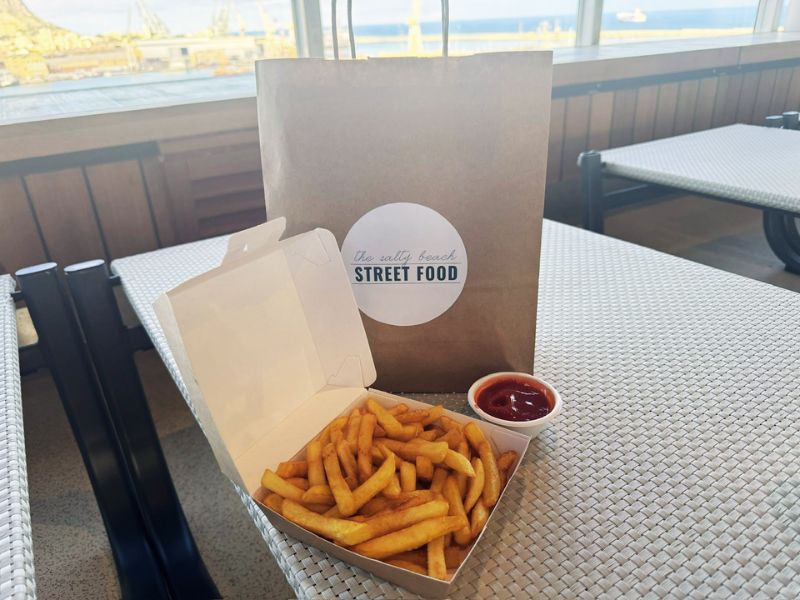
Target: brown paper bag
(430, 173)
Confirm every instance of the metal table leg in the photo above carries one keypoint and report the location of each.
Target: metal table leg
(139, 570)
(592, 189)
(783, 237)
(108, 342)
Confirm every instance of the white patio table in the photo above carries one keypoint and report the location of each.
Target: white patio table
(674, 470)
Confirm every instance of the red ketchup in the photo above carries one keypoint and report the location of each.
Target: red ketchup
(513, 400)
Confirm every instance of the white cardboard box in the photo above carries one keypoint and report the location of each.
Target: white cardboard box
(271, 347)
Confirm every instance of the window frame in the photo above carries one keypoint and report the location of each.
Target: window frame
(309, 38)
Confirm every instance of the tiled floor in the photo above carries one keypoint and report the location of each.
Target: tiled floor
(71, 550)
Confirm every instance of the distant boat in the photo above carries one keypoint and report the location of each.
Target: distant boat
(635, 16)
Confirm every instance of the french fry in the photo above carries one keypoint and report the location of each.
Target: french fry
(387, 420)
(451, 494)
(475, 485)
(454, 556)
(408, 477)
(351, 430)
(447, 423)
(379, 480)
(436, 451)
(348, 461)
(331, 528)
(383, 524)
(506, 460)
(413, 416)
(379, 431)
(459, 463)
(453, 438)
(461, 477)
(439, 477)
(324, 437)
(408, 566)
(341, 491)
(375, 505)
(409, 538)
(478, 518)
(337, 429)
(318, 494)
(433, 415)
(393, 489)
(424, 468)
(275, 502)
(398, 409)
(275, 483)
(436, 564)
(365, 432)
(292, 468)
(381, 504)
(299, 482)
(428, 436)
(316, 472)
(415, 557)
(318, 508)
(492, 484)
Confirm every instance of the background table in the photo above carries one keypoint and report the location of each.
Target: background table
(16, 543)
(742, 164)
(674, 470)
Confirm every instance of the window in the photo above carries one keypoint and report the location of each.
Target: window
(55, 43)
(414, 27)
(644, 20)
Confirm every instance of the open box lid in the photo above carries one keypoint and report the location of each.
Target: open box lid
(270, 345)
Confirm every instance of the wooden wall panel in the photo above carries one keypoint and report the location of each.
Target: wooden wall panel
(793, 98)
(646, 110)
(20, 243)
(555, 146)
(66, 216)
(665, 112)
(684, 111)
(600, 117)
(156, 185)
(704, 109)
(761, 105)
(783, 79)
(747, 97)
(128, 225)
(729, 88)
(576, 128)
(623, 117)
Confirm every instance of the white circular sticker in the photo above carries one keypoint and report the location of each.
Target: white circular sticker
(407, 264)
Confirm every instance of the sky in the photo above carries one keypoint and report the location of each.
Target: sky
(184, 16)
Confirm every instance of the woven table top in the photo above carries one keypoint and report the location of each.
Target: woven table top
(756, 165)
(16, 542)
(674, 470)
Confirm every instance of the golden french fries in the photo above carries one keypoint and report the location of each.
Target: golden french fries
(292, 468)
(478, 518)
(475, 485)
(453, 497)
(275, 483)
(437, 567)
(424, 468)
(409, 486)
(459, 463)
(408, 477)
(392, 521)
(341, 491)
(316, 472)
(409, 538)
(365, 432)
